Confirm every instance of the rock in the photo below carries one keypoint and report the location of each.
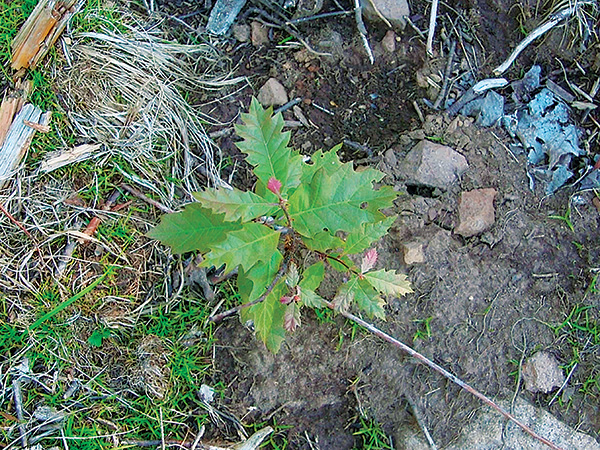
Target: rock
(260, 34)
(487, 110)
(223, 15)
(490, 431)
(433, 165)
(390, 158)
(272, 93)
(241, 32)
(395, 11)
(541, 373)
(476, 212)
(389, 42)
(413, 253)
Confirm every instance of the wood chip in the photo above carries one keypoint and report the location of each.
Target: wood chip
(41, 30)
(18, 140)
(59, 159)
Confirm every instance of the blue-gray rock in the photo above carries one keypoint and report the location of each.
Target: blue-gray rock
(487, 110)
(223, 15)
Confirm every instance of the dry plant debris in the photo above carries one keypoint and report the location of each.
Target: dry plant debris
(124, 91)
(41, 30)
(18, 123)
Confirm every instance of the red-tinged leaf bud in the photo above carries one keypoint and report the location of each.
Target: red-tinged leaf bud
(274, 185)
(368, 261)
(286, 300)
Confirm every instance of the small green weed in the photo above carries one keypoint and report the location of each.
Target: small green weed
(424, 329)
(370, 436)
(581, 331)
(277, 440)
(566, 219)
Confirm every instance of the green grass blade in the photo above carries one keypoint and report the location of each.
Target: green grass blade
(68, 302)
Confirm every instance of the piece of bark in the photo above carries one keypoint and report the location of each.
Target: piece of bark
(18, 139)
(40, 31)
(11, 105)
(62, 158)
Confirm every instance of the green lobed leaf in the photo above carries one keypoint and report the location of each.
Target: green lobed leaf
(322, 242)
(251, 244)
(253, 283)
(360, 291)
(311, 299)
(268, 318)
(265, 145)
(235, 204)
(195, 228)
(313, 276)
(329, 161)
(368, 299)
(362, 237)
(340, 200)
(389, 282)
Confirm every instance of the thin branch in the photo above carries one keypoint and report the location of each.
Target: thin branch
(431, 32)
(447, 73)
(386, 337)
(133, 191)
(318, 16)
(362, 30)
(282, 270)
(555, 19)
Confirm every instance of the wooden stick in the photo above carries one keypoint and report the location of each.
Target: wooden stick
(555, 19)
(432, 21)
(386, 337)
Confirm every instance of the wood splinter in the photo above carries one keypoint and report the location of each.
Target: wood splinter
(41, 30)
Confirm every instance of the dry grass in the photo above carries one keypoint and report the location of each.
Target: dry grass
(124, 89)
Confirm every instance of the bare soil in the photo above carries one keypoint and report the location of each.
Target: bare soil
(492, 300)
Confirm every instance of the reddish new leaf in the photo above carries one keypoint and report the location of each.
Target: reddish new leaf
(368, 261)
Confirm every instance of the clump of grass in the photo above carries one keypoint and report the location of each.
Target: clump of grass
(125, 89)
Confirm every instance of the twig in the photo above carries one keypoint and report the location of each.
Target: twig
(318, 16)
(539, 31)
(447, 72)
(564, 384)
(418, 110)
(17, 223)
(282, 270)
(288, 105)
(386, 337)
(92, 227)
(359, 147)
(16, 384)
(133, 191)
(431, 32)
(421, 423)
(362, 29)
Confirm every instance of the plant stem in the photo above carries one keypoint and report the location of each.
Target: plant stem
(282, 270)
(386, 337)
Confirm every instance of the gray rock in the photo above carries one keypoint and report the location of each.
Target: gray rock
(390, 158)
(395, 11)
(223, 15)
(433, 165)
(241, 32)
(476, 212)
(413, 253)
(389, 42)
(260, 34)
(490, 431)
(541, 373)
(272, 93)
